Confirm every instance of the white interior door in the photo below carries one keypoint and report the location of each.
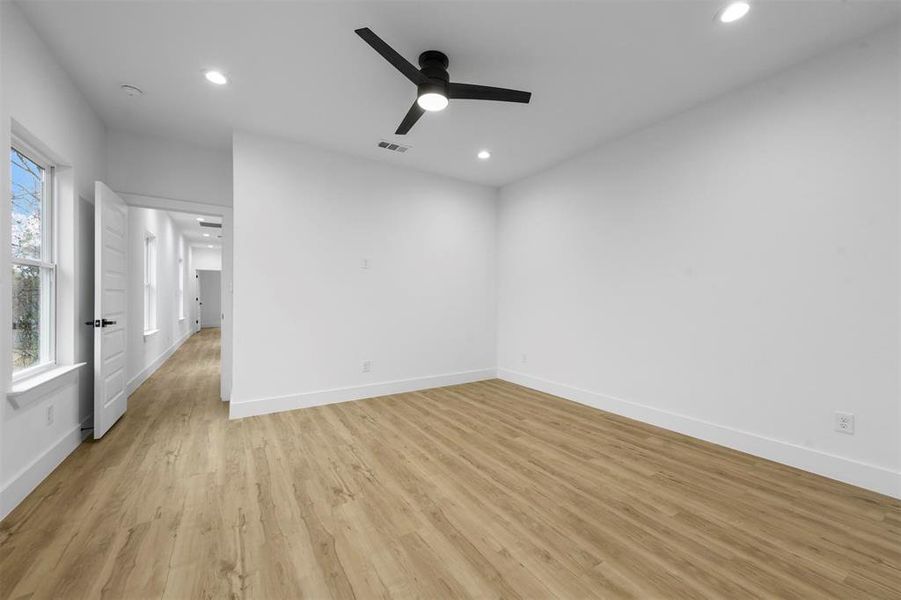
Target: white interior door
(110, 306)
(210, 283)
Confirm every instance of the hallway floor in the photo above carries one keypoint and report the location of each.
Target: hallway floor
(478, 490)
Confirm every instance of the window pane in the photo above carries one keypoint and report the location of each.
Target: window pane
(26, 342)
(27, 179)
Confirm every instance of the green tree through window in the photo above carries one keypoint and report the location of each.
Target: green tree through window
(32, 272)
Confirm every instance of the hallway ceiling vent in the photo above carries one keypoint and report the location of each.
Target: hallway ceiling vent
(393, 147)
(208, 224)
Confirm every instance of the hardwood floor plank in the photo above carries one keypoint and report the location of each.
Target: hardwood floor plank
(478, 490)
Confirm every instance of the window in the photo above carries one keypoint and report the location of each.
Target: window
(149, 282)
(33, 267)
(180, 295)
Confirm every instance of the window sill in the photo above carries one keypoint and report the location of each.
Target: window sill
(150, 332)
(26, 391)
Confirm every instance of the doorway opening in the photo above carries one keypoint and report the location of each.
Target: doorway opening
(209, 286)
(160, 272)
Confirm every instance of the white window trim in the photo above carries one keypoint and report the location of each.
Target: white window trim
(150, 284)
(49, 241)
(180, 290)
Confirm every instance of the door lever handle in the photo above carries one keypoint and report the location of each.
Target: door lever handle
(106, 322)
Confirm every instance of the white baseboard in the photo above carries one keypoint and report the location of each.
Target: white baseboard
(136, 381)
(249, 408)
(30, 476)
(865, 475)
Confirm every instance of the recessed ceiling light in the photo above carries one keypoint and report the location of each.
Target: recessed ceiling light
(206, 235)
(200, 219)
(733, 12)
(209, 245)
(216, 77)
(131, 90)
(432, 102)
(484, 154)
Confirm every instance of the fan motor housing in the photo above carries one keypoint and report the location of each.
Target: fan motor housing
(433, 64)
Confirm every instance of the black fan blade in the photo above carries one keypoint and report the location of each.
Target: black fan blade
(469, 91)
(390, 54)
(413, 115)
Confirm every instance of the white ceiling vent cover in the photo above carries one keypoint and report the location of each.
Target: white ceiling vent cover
(393, 147)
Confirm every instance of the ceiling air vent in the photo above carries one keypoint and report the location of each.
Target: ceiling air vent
(393, 147)
(208, 224)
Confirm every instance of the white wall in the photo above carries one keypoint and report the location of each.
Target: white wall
(147, 353)
(44, 103)
(209, 259)
(305, 312)
(732, 273)
(165, 168)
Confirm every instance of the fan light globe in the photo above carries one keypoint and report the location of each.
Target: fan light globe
(432, 102)
(216, 77)
(733, 12)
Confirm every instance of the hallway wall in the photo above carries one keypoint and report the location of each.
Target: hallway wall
(206, 258)
(147, 353)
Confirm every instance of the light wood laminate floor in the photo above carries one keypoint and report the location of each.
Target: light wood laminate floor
(484, 490)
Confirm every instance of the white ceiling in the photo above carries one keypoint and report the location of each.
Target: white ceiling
(190, 227)
(596, 69)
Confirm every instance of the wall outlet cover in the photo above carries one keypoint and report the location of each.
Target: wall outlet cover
(844, 422)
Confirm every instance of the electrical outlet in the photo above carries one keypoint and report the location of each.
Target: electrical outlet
(524, 358)
(364, 263)
(844, 423)
(367, 366)
(50, 415)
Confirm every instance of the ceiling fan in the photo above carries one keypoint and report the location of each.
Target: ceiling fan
(433, 84)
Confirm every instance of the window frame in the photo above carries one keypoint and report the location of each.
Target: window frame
(151, 292)
(180, 290)
(48, 268)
